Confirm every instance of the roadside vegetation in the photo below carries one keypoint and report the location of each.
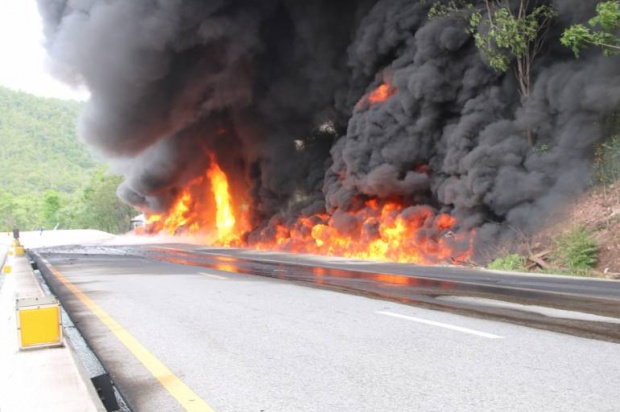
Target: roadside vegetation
(586, 242)
(48, 177)
(576, 251)
(512, 261)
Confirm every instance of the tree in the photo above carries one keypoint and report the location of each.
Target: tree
(101, 208)
(603, 31)
(505, 33)
(23, 211)
(51, 206)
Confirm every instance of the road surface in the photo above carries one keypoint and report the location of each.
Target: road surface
(178, 337)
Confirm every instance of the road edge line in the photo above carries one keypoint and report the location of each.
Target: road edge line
(186, 397)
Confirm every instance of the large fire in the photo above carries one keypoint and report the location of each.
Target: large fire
(378, 230)
(204, 208)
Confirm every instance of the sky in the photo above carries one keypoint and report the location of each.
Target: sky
(23, 59)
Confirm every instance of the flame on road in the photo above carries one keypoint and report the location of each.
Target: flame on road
(378, 230)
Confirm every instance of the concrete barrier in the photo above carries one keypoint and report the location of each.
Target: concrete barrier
(45, 379)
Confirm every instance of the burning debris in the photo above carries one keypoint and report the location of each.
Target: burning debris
(216, 113)
(387, 231)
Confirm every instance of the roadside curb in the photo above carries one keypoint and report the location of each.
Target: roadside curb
(46, 378)
(88, 362)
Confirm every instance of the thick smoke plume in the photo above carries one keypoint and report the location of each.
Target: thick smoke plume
(279, 91)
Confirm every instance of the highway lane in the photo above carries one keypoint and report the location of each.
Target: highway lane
(248, 343)
(602, 288)
(580, 306)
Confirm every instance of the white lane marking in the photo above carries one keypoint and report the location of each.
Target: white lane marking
(212, 276)
(441, 325)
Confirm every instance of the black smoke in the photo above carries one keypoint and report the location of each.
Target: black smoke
(272, 88)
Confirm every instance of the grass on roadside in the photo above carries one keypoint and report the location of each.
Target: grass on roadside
(576, 251)
(512, 261)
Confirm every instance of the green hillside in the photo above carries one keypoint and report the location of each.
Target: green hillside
(48, 178)
(39, 149)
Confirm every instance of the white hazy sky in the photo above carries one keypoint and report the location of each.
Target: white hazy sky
(22, 56)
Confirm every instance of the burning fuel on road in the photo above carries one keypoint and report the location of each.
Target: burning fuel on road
(354, 128)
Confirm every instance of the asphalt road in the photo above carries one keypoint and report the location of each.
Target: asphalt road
(239, 342)
(580, 306)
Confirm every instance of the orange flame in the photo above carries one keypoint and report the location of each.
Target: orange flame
(378, 95)
(224, 218)
(176, 218)
(195, 212)
(380, 232)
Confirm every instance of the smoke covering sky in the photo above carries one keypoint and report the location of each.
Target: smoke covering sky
(252, 82)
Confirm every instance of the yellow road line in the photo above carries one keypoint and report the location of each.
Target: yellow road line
(175, 386)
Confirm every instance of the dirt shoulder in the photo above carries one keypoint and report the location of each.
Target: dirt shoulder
(598, 212)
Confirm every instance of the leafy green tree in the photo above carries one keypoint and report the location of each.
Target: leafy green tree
(603, 31)
(22, 212)
(101, 208)
(51, 205)
(8, 211)
(505, 32)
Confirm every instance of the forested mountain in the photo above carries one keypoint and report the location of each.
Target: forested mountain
(49, 178)
(39, 149)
